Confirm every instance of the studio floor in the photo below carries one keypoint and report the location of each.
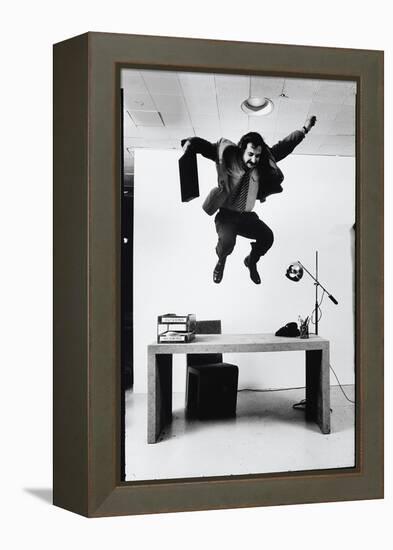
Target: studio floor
(266, 436)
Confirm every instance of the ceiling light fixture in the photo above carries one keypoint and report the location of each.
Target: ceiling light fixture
(257, 105)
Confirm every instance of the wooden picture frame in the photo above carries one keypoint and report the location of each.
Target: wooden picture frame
(87, 381)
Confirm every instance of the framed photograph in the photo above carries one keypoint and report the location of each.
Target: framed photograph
(218, 274)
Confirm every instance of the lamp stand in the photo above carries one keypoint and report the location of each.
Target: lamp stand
(297, 274)
(317, 284)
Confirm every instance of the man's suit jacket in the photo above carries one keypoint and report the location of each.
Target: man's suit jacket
(230, 168)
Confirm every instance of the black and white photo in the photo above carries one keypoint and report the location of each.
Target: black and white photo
(239, 209)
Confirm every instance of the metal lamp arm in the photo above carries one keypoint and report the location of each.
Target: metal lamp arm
(332, 298)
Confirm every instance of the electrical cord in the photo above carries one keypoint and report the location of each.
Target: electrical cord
(341, 388)
(301, 405)
(317, 311)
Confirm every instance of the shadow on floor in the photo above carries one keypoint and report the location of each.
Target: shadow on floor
(272, 407)
(275, 407)
(43, 494)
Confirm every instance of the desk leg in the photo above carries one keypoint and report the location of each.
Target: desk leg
(318, 388)
(159, 394)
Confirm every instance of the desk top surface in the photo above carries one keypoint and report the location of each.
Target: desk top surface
(212, 343)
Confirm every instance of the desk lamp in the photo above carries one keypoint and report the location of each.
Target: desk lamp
(295, 272)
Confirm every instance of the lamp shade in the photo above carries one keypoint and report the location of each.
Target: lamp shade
(294, 272)
(257, 106)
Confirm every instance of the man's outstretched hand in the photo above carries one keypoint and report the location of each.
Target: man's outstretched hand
(310, 122)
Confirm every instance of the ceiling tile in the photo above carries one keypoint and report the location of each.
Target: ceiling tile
(201, 105)
(301, 89)
(324, 111)
(197, 84)
(233, 85)
(187, 103)
(162, 82)
(352, 86)
(347, 111)
(229, 103)
(344, 123)
(176, 120)
(234, 133)
(289, 123)
(151, 132)
(309, 145)
(146, 118)
(350, 99)
(210, 134)
(206, 121)
(342, 127)
(263, 124)
(170, 103)
(138, 102)
(132, 81)
(228, 118)
(293, 108)
(266, 86)
(333, 91)
(322, 126)
(338, 145)
(180, 133)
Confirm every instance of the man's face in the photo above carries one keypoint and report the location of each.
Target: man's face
(251, 155)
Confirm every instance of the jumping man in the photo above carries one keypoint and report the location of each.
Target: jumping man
(246, 172)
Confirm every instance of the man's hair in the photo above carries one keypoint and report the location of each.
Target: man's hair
(252, 137)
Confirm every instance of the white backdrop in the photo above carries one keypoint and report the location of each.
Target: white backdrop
(29, 30)
(174, 258)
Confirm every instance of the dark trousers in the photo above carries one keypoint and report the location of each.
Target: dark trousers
(229, 224)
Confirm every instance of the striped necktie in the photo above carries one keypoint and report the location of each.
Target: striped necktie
(240, 199)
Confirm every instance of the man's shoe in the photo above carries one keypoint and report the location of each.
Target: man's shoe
(219, 271)
(252, 266)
